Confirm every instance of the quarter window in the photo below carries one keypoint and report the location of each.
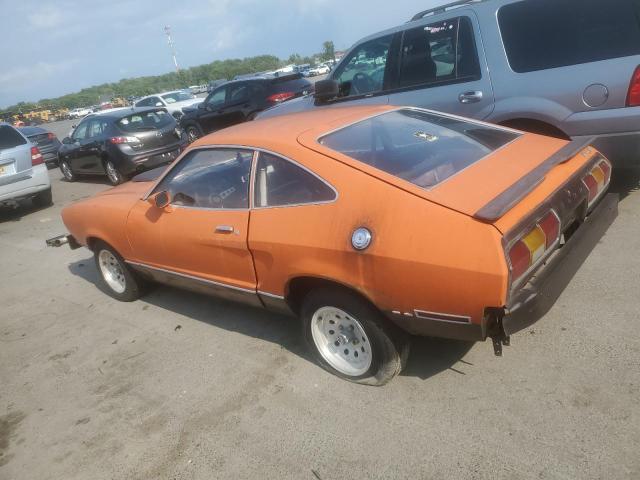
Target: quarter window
(217, 178)
(550, 34)
(280, 183)
(439, 52)
(363, 71)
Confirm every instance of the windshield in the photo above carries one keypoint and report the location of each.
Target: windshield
(418, 146)
(177, 97)
(145, 121)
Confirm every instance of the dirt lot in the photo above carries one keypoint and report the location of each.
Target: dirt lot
(180, 386)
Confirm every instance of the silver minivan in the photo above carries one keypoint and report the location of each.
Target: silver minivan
(566, 68)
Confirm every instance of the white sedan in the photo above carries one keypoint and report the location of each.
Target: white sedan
(173, 101)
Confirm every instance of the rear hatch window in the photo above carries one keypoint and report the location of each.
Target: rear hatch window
(9, 138)
(550, 33)
(296, 84)
(143, 121)
(420, 147)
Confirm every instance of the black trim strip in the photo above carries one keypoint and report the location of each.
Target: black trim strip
(504, 202)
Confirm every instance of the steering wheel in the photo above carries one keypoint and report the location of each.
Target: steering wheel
(361, 83)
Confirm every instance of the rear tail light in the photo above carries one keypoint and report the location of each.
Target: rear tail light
(597, 180)
(122, 140)
(533, 246)
(281, 97)
(36, 157)
(633, 97)
(51, 136)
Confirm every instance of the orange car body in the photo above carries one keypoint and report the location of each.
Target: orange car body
(432, 267)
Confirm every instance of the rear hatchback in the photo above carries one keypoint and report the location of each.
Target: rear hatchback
(47, 142)
(144, 139)
(288, 87)
(23, 173)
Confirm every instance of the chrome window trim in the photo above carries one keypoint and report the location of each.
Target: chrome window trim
(271, 295)
(192, 277)
(289, 205)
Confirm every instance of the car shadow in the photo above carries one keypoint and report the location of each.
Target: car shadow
(625, 181)
(15, 212)
(429, 356)
(93, 179)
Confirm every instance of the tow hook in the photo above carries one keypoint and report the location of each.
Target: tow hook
(498, 336)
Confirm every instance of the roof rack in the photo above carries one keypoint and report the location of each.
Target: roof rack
(443, 8)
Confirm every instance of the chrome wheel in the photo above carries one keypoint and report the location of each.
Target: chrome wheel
(342, 341)
(192, 134)
(66, 170)
(112, 271)
(112, 173)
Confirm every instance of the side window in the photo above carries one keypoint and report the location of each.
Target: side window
(80, 133)
(216, 178)
(96, 128)
(439, 52)
(155, 101)
(281, 183)
(217, 97)
(145, 102)
(237, 92)
(364, 70)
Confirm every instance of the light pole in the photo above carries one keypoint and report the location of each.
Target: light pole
(167, 31)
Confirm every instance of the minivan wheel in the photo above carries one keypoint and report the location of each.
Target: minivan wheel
(67, 173)
(351, 339)
(114, 176)
(193, 133)
(114, 276)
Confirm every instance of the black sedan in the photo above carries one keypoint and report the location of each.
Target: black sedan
(120, 143)
(47, 143)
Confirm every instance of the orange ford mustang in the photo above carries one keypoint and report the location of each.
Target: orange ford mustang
(368, 223)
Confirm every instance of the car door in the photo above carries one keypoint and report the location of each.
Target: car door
(88, 154)
(237, 103)
(442, 67)
(200, 238)
(365, 74)
(209, 114)
(73, 153)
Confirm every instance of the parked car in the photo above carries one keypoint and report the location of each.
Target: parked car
(79, 113)
(240, 100)
(568, 69)
(321, 69)
(174, 102)
(119, 143)
(368, 223)
(46, 141)
(23, 173)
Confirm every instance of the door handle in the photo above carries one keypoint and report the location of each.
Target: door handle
(470, 97)
(224, 229)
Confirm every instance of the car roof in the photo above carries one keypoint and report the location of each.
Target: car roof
(162, 93)
(284, 130)
(118, 113)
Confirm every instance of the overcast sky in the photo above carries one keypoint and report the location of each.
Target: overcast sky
(53, 47)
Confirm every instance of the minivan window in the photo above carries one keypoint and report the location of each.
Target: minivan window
(418, 146)
(549, 34)
(151, 120)
(439, 52)
(9, 138)
(363, 70)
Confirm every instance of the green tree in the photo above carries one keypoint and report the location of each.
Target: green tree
(328, 51)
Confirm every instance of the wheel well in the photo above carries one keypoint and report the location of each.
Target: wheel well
(298, 288)
(535, 126)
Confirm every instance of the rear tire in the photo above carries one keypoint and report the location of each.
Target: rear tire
(66, 170)
(43, 199)
(351, 339)
(113, 174)
(115, 278)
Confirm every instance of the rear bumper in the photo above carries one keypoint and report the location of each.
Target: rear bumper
(26, 187)
(537, 297)
(150, 159)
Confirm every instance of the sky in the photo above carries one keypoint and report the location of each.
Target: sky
(54, 47)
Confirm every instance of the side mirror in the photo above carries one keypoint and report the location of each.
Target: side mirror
(67, 141)
(160, 200)
(326, 90)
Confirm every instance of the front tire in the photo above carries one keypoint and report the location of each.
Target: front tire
(114, 276)
(351, 339)
(193, 133)
(66, 170)
(113, 174)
